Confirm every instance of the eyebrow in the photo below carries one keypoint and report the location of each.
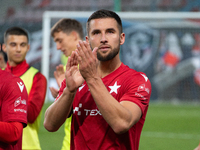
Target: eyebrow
(95, 30)
(108, 29)
(57, 39)
(20, 43)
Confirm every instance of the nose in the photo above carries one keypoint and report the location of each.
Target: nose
(58, 46)
(18, 48)
(104, 38)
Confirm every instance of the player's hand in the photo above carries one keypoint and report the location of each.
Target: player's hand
(87, 60)
(72, 75)
(54, 92)
(59, 74)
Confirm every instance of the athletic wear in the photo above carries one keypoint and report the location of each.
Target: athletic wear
(36, 86)
(13, 109)
(10, 131)
(67, 128)
(89, 130)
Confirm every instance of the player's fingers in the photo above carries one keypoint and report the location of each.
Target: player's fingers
(55, 74)
(68, 63)
(74, 60)
(85, 50)
(78, 57)
(81, 50)
(88, 51)
(95, 52)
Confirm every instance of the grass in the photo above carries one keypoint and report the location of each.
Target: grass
(50, 140)
(171, 127)
(167, 126)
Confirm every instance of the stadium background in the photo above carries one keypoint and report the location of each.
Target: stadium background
(157, 49)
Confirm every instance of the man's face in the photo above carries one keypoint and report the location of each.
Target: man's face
(65, 42)
(16, 48)
(104, 34)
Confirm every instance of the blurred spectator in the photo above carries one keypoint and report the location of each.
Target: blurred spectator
(170, 52)
(196, 53)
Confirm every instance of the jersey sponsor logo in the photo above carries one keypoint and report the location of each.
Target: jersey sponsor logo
(76, 109)
(143, 88)
(114, 88)
(140, 95)
(86, 112)
(21, 86)
(19, 101)
(20, 110)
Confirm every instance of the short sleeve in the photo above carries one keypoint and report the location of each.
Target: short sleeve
(14, 102)
(138, 91)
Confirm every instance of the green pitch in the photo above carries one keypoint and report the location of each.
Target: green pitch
(171, 127)
(167, 126)
(50, 140)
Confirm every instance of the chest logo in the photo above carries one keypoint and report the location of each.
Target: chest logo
(21, 86)
(114, 88)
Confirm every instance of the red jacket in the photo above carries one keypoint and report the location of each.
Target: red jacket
(37, 94)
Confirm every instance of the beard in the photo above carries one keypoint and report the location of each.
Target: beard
(110, 56)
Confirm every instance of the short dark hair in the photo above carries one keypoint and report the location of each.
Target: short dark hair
(68, 25)
(105, 14)
(15, 31)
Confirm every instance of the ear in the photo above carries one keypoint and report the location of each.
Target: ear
(122, 38)
(4, 48)
(87, 39)
(75, 35)
(28, 47)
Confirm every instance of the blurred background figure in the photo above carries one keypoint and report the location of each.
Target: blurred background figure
(16, 45)
(13, 111)
(196, 54)
(66, 34)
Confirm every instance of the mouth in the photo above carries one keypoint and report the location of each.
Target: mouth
(18, 55)
(104, 48)
(63, 51)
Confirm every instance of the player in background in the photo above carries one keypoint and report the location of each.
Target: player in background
(16, 45)
(13, 111)
(66, 34)
(107, 99)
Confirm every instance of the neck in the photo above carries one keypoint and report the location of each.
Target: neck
(12, 64)
(107, 67)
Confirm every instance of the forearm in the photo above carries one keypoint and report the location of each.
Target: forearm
(34, 110)
(116, 115)
(57, 112)
(36, 97)
(10, 131)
